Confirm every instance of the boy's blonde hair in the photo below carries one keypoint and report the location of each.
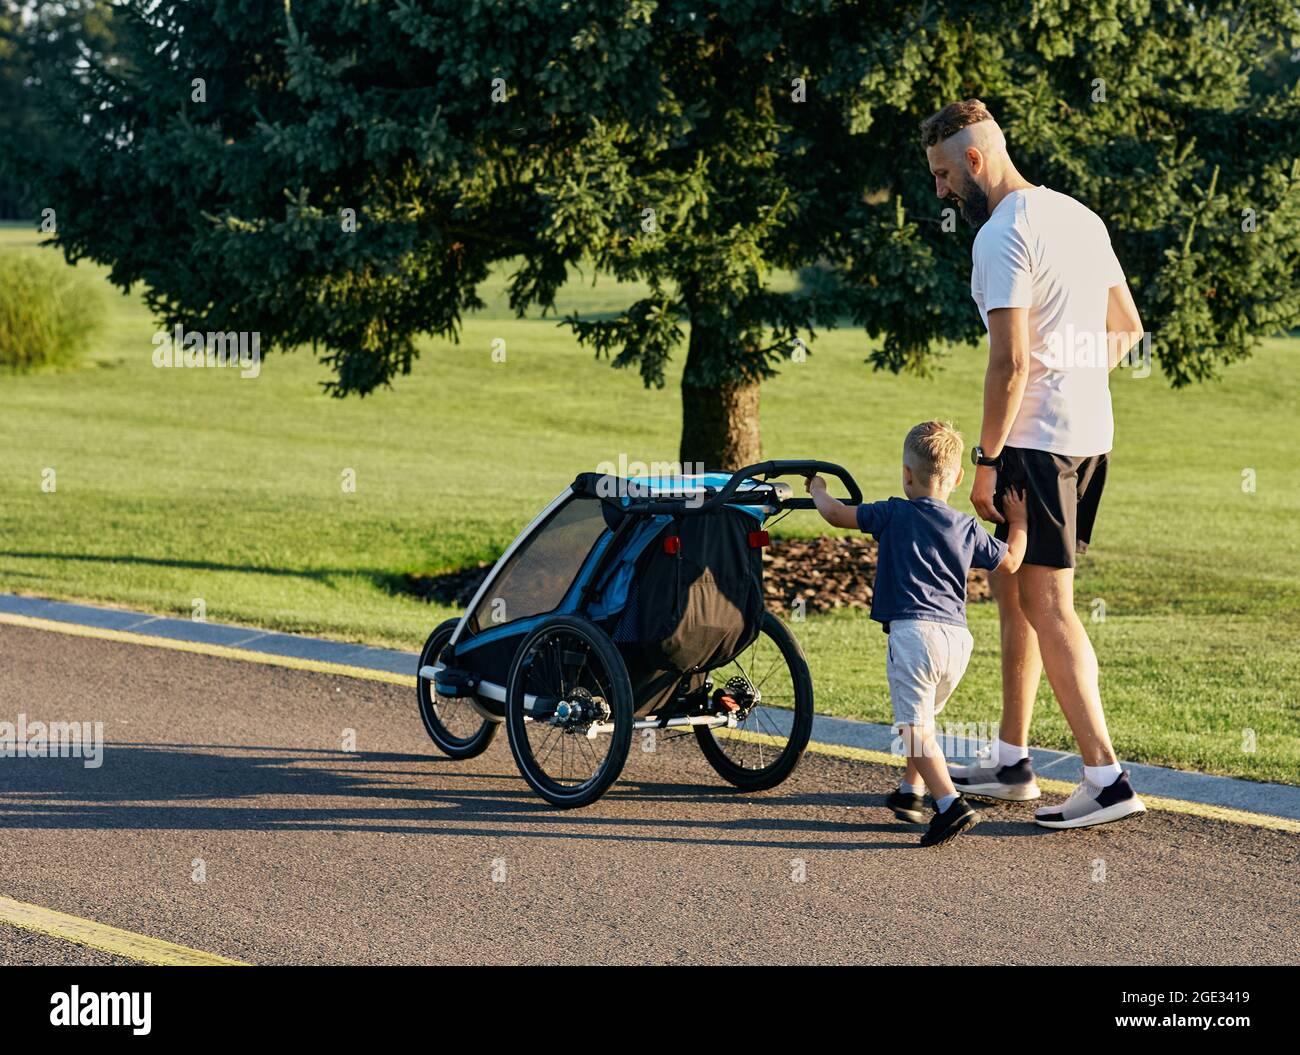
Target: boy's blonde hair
(932, 451)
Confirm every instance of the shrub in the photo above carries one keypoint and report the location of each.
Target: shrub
(49, 312)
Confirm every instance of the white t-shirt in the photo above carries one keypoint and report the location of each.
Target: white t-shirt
(1044, 251)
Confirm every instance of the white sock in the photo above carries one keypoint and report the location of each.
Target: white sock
(1010, 754)
(911, 789)
(943, 803)
(1102, 776)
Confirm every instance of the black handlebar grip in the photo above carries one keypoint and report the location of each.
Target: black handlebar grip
(807, 467)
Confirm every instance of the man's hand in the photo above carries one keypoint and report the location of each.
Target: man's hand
(814, 484)
(981, 494)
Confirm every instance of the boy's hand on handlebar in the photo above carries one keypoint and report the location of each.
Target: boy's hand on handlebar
(833, 510)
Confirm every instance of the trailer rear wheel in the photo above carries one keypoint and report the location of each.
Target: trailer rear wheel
(767, 744)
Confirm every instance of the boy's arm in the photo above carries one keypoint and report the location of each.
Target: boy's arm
(1013, 505)
(833, 511)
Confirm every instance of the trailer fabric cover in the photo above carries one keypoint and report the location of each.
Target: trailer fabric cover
(619, 580)
(700, 607)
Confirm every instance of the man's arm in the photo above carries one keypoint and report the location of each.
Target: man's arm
(1004, 388)
(833, 511)
(1123, 326)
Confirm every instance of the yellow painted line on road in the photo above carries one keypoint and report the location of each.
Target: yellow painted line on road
(107, 939)
(856, 754)
(1061, 787)
(1217, 813)
(202, 648)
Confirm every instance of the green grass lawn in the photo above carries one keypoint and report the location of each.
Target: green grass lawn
(181, 484)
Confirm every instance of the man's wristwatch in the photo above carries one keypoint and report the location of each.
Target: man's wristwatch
(978, 456)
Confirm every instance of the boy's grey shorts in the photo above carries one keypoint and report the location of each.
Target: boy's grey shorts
(925, 662)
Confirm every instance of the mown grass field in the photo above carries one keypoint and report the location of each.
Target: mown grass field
(173, 485)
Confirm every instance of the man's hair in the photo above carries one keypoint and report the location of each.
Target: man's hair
(952, 119)
(932, 451)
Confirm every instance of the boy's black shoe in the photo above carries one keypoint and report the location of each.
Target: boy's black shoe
(910, 808)
(957, 818)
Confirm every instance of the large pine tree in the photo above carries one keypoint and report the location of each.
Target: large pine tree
(693, 146)
(36, 39)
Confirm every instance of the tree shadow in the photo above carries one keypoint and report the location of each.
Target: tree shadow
(433, 589)
(380, 576)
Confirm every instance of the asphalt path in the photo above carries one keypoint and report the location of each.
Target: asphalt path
(228, 816)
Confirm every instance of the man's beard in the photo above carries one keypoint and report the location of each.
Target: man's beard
(974, 203)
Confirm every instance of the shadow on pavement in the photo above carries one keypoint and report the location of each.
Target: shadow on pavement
(178, 787)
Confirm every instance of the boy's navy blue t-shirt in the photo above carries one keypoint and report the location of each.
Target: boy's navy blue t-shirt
(926, 550)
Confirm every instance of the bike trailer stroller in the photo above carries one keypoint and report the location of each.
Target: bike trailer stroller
(630, 603)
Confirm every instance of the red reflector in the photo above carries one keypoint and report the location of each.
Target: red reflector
(672, 543)
(758, 539)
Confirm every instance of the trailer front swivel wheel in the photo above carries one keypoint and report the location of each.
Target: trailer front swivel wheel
(455, 725)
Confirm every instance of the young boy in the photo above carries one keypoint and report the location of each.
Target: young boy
(926, 550)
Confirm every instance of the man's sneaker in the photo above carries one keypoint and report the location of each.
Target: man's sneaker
(949, 824)
(1089, 805)
(989, 780)
(906, 807)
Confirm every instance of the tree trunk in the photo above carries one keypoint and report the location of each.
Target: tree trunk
(719, 419)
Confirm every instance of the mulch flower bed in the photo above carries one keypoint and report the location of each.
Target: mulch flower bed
(824, 572)
(831, 573)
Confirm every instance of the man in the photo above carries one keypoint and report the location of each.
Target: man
(1059, 316)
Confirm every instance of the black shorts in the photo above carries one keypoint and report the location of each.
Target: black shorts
(1061, 498)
